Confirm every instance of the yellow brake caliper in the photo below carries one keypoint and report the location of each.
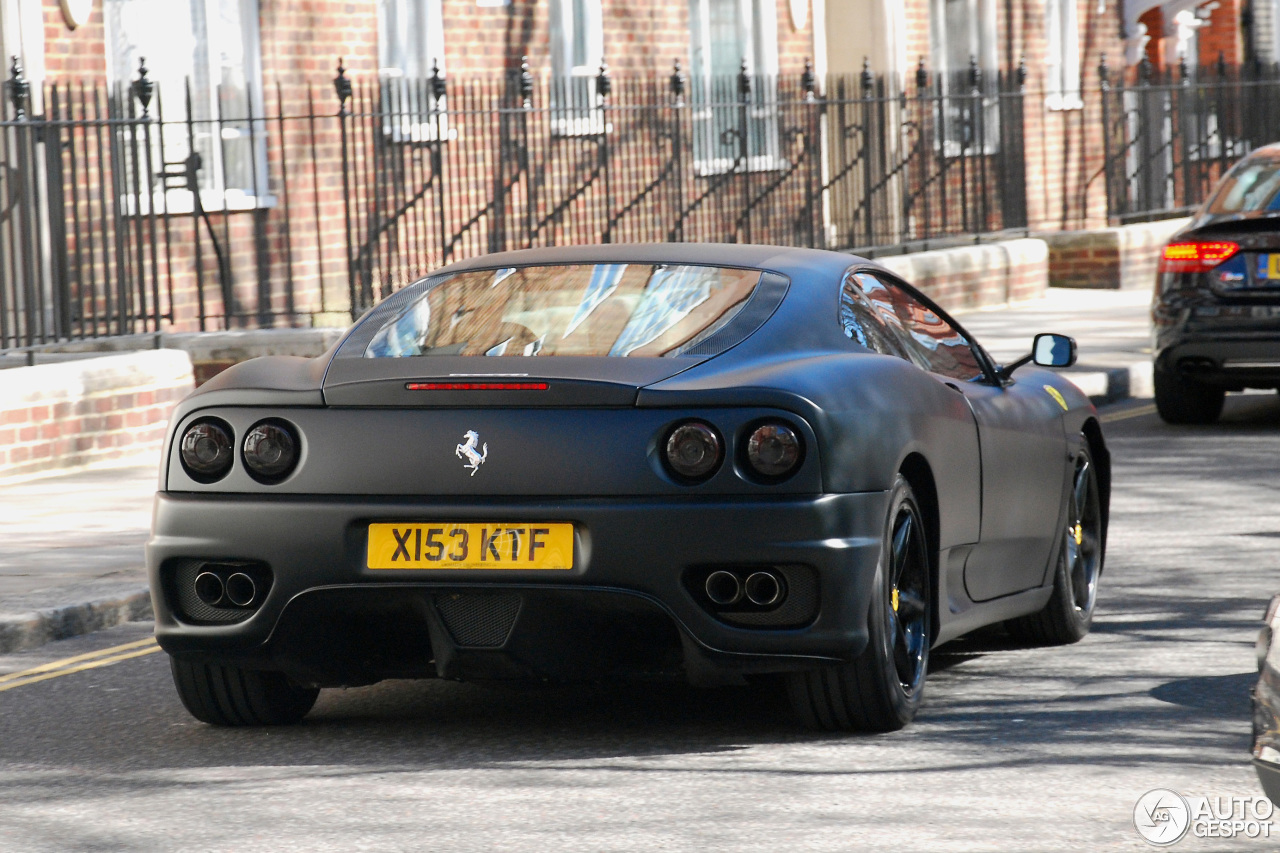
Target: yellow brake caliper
(895, 599)
(1079, 533)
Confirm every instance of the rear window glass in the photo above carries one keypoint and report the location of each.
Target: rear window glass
(1253, 185)
(579, 310)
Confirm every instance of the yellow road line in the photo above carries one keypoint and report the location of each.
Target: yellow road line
(1128, 413)
(59, 664)
(81, 668)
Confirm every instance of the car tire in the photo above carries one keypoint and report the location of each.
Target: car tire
(230, 696)
(880, 691)
(1184, 401)
(1068, 615)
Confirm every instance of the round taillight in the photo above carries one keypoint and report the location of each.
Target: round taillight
(773, 450)
(694, 450)
(270, 451)
(205, 450)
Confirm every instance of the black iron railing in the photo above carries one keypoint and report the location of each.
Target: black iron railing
(1171, 133)
(142, 208)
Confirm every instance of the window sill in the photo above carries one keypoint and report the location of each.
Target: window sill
(182, 202)
(710, 168)
(573, 127)
(1063, 103)
(419, 133)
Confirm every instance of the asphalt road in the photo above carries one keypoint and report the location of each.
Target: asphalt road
(1015, 749)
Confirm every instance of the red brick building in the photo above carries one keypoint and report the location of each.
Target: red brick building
(285, 203)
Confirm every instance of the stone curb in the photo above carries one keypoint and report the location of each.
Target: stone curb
(61, 621)
(1106, 385)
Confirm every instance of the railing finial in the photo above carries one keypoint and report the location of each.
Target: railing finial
(744, 80)
(438, 84)
(526, 83)
(677, 82)
(1184, 71)
(975, 73)
(143, 87)
(808, 80)
(604, 83)
(1104, 73)
(1021, 74)
(922, 74)
(1144, 70)
(866, 78)
(19, 88)
(342, 86)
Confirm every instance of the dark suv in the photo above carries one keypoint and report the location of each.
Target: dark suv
(1216, 311)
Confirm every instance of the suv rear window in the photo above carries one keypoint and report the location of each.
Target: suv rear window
(577, 310)
(1252, 186)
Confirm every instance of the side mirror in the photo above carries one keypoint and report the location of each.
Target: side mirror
(1047, 350)
(1050, 350)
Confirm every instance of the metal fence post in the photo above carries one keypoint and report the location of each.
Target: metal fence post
(744, 149)
(342, 88)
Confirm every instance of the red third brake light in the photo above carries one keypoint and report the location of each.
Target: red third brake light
(476, 386)
(1195, 257)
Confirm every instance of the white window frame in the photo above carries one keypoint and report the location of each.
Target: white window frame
(981, 39)
(1062, 55)
(757, 38)
(406, 63)
(123, 52)
(575, 75)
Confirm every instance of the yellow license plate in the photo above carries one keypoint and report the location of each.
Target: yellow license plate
(1270, 267)
(453, 545)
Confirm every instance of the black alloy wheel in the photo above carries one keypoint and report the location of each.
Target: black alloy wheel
(1068, 616)
(907, 610)
(1185, 401)
(881, 690)
(1083, 538)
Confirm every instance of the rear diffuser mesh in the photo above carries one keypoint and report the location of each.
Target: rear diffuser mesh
(479, 619)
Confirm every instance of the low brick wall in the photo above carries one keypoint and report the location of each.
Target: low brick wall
(213, 352)
(80, 413)
(977, 276)
(1122, 258)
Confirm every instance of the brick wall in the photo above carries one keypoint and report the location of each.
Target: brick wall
(1121, 258)
(1222, 35)
(977, 276)
(89, 411)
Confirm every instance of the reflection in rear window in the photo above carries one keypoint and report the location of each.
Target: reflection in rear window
(581, 310)
(1253, 186)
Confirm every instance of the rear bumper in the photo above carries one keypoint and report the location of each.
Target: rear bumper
(631, 565)
(1222, 358)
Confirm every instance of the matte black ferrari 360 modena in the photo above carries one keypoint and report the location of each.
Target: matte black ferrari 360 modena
(689, 461)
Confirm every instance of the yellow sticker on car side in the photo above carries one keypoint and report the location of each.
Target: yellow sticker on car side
(1057, 395)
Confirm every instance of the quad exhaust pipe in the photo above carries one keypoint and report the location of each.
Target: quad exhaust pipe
(209, 588)
(723, 588)
(763, 588)
(238, 589)
(241, 590)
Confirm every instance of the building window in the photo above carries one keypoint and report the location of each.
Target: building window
(410, 49)
(1062, 36)
(724, 34)
(577, 51)
(962, 32)
(210, 49)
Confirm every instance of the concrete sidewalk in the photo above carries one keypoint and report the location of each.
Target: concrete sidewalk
(71, 545)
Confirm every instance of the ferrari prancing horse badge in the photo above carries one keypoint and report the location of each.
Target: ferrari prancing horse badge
(468, 451)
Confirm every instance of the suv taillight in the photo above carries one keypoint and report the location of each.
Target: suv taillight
(1195, 257)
